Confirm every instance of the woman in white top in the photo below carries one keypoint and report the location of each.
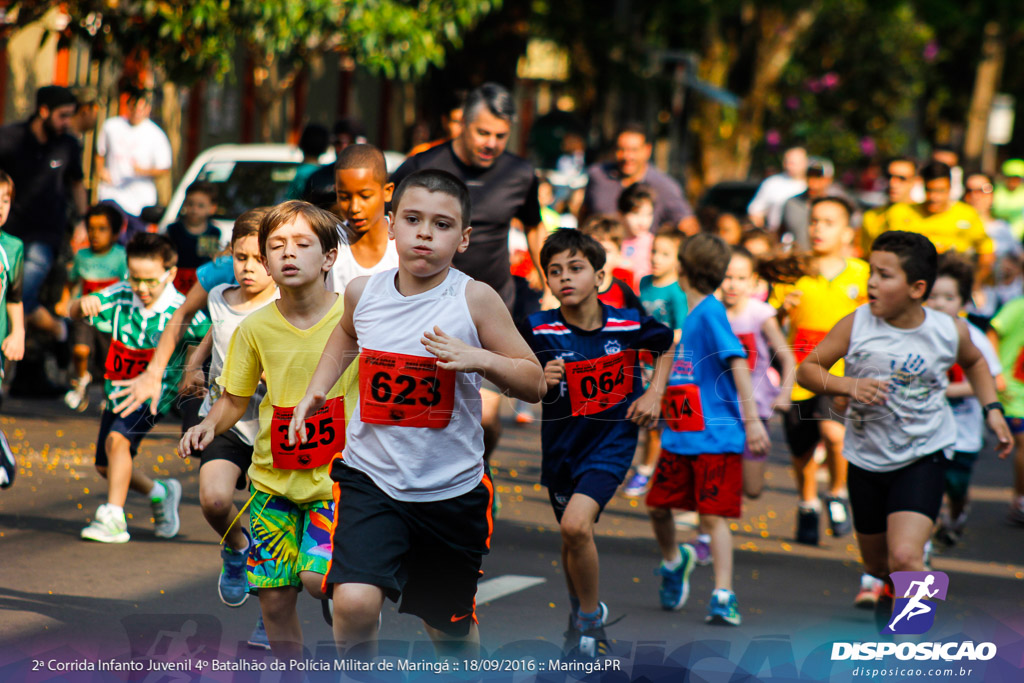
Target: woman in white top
(900, 428)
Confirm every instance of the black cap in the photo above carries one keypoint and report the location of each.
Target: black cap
(821, 168)
(53, 96)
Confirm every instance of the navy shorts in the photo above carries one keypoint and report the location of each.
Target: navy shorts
(133, 427)
(600, 485)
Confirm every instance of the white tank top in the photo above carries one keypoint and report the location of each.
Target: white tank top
(916, 419)
(416, 463)
(224, 320)
(346, 268)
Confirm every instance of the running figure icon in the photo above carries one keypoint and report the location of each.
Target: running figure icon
(915, 606)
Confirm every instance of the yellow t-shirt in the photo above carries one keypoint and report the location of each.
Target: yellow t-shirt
(267, 343)
(958, 228)
(822, 304)
(871, 226)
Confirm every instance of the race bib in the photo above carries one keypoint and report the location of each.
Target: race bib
(750, 346)
(1018, 367)
(599, 384)
(125, 363)
(804, 342)
(404, 391)
(325, 436)
(681, 408)
(91, 286)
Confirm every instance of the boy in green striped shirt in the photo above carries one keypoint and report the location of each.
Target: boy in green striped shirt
(135, 312)
(12, 314)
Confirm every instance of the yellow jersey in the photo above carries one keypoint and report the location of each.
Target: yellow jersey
(265, 342)
(958, 228)
(871, 226)
(822, 304)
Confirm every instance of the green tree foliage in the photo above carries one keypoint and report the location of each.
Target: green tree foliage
(200, 38)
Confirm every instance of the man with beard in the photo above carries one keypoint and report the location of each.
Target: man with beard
(502, 187)
(45, 163)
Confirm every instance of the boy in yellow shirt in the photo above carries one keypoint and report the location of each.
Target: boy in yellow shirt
(292, 505)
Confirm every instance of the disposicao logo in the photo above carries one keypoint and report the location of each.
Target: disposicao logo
(914, 613)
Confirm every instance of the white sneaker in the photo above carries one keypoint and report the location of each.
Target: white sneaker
(165, 512)
(107, 527)
(78, 398)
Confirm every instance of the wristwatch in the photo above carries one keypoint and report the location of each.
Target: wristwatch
(995, 405)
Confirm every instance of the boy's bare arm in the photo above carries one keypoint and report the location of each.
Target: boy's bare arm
(13, 345)
(504, 359)
(757, 436)
(777, 341)
(645, 410)
(978, 374)
(146, 387)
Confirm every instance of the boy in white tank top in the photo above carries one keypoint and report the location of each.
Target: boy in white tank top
(900, 427)
(412, 495)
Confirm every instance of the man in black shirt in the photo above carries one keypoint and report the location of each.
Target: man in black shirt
(502, 186)
(45, 163)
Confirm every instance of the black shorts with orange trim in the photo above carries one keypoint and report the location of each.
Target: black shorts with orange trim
(428, 553)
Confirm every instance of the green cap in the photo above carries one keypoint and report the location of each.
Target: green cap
(1014, 168)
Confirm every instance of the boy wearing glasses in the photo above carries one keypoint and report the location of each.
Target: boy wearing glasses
(901, 178)
(134, 313)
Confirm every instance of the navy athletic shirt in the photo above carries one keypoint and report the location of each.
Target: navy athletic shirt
(604, 440)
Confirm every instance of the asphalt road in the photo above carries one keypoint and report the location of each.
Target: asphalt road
(69, 607)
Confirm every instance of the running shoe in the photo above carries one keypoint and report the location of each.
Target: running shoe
(702, 550)
(588, 643)
(723, 610)
(870, 590)
(232, 586)
(258, 640)
(807, 526)
(107, 527)
(1015, 515)
(883, 608)
(675, 583)
(8, 465)
(165, 512)
(637, 485)
(839, 515)
(78, 397)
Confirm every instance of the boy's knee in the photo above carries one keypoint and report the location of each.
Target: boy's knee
(576, 532)
(215, 503)
(906, 558)
(659, 514)
(116, 441)
(354, 604)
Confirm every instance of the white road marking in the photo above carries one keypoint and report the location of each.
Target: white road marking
(500, 586)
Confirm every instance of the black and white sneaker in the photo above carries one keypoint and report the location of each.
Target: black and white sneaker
(8, 465)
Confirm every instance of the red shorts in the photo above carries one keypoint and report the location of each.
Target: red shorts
(710, 483)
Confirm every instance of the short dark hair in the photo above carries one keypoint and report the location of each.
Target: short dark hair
(7, 181)
(202, 187)
(248, 223)
(324, 224)
(916, 253)
(952, 264)
(574, 242)
(635, 195)
(670, 230)
(363, 156)
(495, 97)
(436, 180)
(841, 201)
(115, 219)
(901, 159)
(632, 127)
(743, 252)
(315, 140)
(53, 96)
(151, 245)
(604, 225)
(934, 170)
(704, 259)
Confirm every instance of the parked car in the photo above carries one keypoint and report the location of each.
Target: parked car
(246, 176)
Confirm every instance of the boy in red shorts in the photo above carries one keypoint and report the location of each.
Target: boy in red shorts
(709, 414)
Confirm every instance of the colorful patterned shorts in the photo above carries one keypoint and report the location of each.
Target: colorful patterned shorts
(288, 538)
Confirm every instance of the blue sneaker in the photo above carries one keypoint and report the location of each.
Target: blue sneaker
(232, 586)
(723, 608)
(637, 485)
(675, 583)
(258, 640)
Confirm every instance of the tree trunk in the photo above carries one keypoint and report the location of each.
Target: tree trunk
(727, 136)
(986, 83)
(170, 114)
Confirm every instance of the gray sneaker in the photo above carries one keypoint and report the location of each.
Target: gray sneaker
(165, 512)
(107, 527)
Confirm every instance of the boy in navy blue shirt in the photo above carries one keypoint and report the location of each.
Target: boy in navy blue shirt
(709, 414)
(592, 412)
